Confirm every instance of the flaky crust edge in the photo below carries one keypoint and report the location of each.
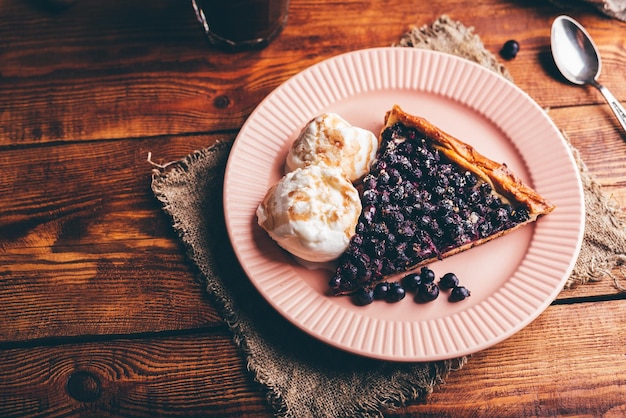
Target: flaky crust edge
(499, 176)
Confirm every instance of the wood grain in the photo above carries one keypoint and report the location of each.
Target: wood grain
(124, 66)
(571, 341)
(201, 374)
(100, 312)
(188, 375)
(85, 248)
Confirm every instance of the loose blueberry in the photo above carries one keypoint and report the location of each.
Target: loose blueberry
(395, 293)
(426, 292)
(509, 49)
(363, 297)
(427, 275)
(411, 281)
(448, 281)
(381, 290)
(458, 294)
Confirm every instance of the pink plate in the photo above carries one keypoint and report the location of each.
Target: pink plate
(512, 279)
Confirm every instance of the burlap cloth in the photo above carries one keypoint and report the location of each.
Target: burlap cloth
(303, 377)
(612, 8)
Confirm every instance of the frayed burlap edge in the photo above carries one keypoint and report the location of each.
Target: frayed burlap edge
(179, 173)
(452, 37)
(612, 8)
(604, 243)
(182, 188)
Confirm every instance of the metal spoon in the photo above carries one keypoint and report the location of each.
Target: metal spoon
(577, 58)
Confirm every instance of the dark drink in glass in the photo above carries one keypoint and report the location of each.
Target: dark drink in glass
(241, 24)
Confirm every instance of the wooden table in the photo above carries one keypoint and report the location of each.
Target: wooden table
(100, 313)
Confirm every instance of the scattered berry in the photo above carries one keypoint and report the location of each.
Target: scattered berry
(458, 294)
(363, 297)
(411, 281)
(381, 290)
(427, 275)
(448, 281)
(426, 292)
(395, 293)
(509, 49)
(423, 284)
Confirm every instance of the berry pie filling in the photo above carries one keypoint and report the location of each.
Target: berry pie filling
(419, 205)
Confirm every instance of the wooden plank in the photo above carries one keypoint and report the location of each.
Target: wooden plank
(193, 375)
(563, 363)
(85, 248)
(569, 361)
(141, 69)
(106, 183)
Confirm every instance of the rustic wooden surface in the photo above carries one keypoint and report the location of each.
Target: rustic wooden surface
(100, 314)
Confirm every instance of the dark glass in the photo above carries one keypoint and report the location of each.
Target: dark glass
(241, 24)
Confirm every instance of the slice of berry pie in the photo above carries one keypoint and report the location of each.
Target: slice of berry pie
(428, 196)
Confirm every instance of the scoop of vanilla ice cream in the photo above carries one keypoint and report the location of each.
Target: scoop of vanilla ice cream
(311, 212)
(329, 139)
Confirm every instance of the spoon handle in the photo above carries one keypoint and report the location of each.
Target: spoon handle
(616, 107)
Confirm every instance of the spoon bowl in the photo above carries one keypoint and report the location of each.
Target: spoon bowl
(576, 56)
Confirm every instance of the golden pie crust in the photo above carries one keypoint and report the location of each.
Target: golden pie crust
(504, 184)
(499, 176)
